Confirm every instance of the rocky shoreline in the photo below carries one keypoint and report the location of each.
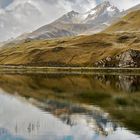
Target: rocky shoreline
(126, 59)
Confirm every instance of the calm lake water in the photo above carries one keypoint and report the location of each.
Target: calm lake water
(69, 107)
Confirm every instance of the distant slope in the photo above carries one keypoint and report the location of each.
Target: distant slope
(130, 22)
(118, 46)
(58, 29)
(100, 50)
(135, 8)
(74, 23)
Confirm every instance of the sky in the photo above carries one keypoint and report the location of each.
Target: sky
(78, 4)
(56, 8)
(4, 3)
(23, 16)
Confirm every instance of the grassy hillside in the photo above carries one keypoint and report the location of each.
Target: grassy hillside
(130, 22)
(76, 51)
(81, 50)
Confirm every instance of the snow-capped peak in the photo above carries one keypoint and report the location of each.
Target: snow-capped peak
(27, 15)
(103, 9)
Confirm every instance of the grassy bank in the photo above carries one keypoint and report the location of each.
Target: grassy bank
(72, 70)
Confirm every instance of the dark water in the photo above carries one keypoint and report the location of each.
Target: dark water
(69, 107)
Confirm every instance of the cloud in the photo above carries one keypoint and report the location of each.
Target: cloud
(81, 5)
(77, 5)
(19, 16)
(124, 4)
(4, 3)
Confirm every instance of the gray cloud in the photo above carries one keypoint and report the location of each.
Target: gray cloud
(19, 16)
(124, 4)
(4, 3)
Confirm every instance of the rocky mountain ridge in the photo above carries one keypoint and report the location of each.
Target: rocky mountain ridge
(76, 23)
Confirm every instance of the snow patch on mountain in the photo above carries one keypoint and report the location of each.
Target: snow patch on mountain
(23, 16)
(76, 23)
(102, 12)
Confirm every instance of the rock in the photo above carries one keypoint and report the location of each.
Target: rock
(126, 59)
(130, 58)
(108, 59)
(117, 57)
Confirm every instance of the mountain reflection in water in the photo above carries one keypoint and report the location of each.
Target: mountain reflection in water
(69, 107)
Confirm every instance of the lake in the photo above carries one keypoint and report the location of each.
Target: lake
(69, 107)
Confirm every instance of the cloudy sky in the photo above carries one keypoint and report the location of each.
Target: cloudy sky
(22, 16)
(77, 4)
(55, 8)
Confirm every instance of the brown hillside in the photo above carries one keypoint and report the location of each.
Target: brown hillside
(76, 51)
(130, 22)
(118, 46)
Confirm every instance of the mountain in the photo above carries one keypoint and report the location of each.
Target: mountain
(130, 22)
(137, 7)
(102, 13)
(117, 46)
(74, 23)
(24, 16)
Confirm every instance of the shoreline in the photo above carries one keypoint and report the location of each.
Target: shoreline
(68, 70)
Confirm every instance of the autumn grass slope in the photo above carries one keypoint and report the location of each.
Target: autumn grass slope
(76, 51)
(130, 22)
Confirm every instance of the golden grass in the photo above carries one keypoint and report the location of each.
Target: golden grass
(76, 51)
(130, 22)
